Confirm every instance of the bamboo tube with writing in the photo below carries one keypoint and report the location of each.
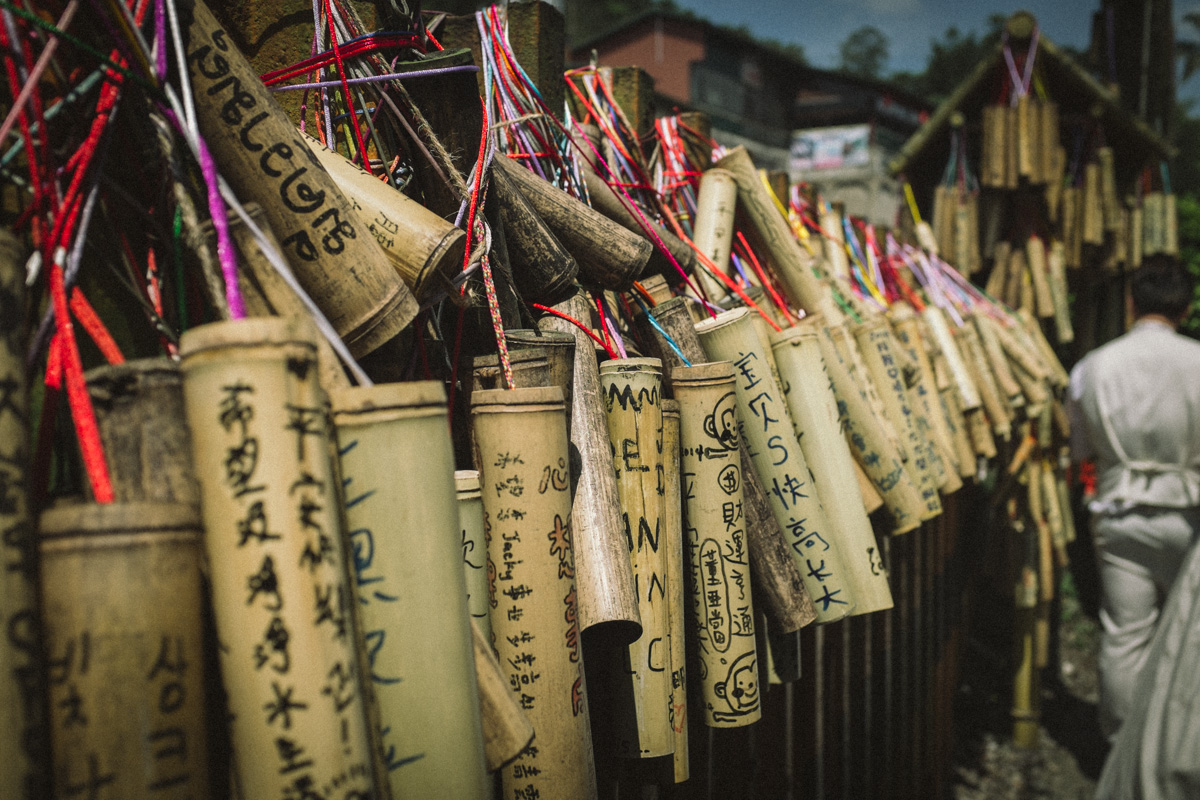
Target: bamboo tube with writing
(870, 445)
(792, 263)
(280, 590)
(780, 463)
(410, 586)
(981, 372)
(1031, 332)
(942, 219)
(632, 396)
(1035, 255)
(780, 592)
(936, 321)
(712, 232)
(521, 435)
(879, 352)
(814, 413)
(22, 710)
(507, 730)
(1059, 293)
(1009, 388)
(843, 340)
(672, 500)
(966, 240)
(474, 549)
(265, 159)
(721, 596)
(121, 603)
(603, 574)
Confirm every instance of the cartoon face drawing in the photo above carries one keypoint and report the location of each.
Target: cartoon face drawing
(739, 689)
(721, 424)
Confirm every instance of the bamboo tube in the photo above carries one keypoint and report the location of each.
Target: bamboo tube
(780, 463)
(972, 234)
(410, 586)
(1120, 247)
(721, 596)
(474, 549)
(1005, 382)
(1136, 243)
(1059, 293)
(712, 232)
(792, 263)
(425, 249)
(872, 499)
(981, 372)
(1071, 234)
(847, 347)
(657, 287)
(870, 445)
(607, 254)
(1093, 206)
(139, 412)
(998, 277)
(943, 222)
(1025, 299)
(1035, 254)
(1054, 182)
(777, 583)
(1053, 512)
(1029, 361)
(1110, 206)
(264, 291)
(559, 349)
(22, 711)
(279, 583)
(963, 449)
(522, 438)
(992, 172)
(632, 393)
(1153, 228)
(835, 241)
(1034, 389)
(1048, 146)
(122, 609)
(1027, 131)
(1012, 148)
(265, 160)
(1018, 269)
(1031, 331)
(608, 203)
(530, 367)
(1170, 226)
(543, 271)
(507, 730)
(980, 433)
(966, 242)
(814, 413)
(1026, 684)
(1064, 495)
(940, 331)
(672, 501)
(879, 352)
(603, 576)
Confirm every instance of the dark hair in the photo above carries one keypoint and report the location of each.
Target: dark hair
(1161, 286)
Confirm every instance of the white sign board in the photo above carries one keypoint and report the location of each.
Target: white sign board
(830, 148)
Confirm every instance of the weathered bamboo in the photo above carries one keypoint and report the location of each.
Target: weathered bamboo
(425, 249)
(397, 467)
(936, 321)
(521, 435)
(602, 571)
(721, 596)
(814, 412)
(543, 271)
(607, 254)
(122, 603)
(608, 203)
(632, 395)
(779, 461)
(280, 589)
(1012, 148)
(672, 500)
(559, 349)
(792, 263)
(265, 159)
(998, 277)
(712, 232)
(530, 367)
(992, 170)
(777, 583)
(1027, 130)
(1054, 181)
(1035, 255)
(963, 449)
(474, 549)
(1059, 293)
(1170, 225)
(1136, 244)
(1153, 228)
(507, 730)
(1018, 274)
(981, 372)
(984, 326)
(1071, 234)
(22, 709)
(1093, 206)
(1048, 146)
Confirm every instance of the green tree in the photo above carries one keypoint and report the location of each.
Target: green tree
(865, 52)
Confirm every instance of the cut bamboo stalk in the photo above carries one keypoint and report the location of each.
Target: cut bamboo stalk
(814, 413)
(1048, 144)
(543, 271)
(642, 692)
(1054, 182)
(1012, 148)
(607, 600)
(1059, 293)
(779, 462)
(1005, 382)
(409, 584)
(1071, 235)
(1093, 206)
(712, 234)
(830, 220)
(998, 277)
(936, 321)
(521, 435)
(1018, 273)
(1136, 242)
(963, 448)
(121, 604)
(677, 599)
(1035, 255)
(721, 597)
(507, 730)
(981, 372)
(994, 145)
(1108, 189)
(1027, 129)
(608, 203)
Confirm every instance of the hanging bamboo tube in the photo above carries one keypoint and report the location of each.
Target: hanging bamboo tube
(793, 264)
(992, 172)
(1027, 131)
(280, 589)
(1012, 149)
(1031, 332)
(603, 574)
(1017, 275)
(1026, 709)
(1059, 293)
(835, 240)
(632, 395)
(1093, 206)
(1007, 384)
(1054, 182)
(1048, 144)
(1110, 206)
(22, 711)
(1071, 234)
(981, 372)
(122, 607)
(777, 583)
(1035, 256)
(878, 348)
(965, 239)
(870, 445)
(843, 340)
(672, 500)
(779, 462)
(943, 222)
(410, 587)
(507, 730)
(721, 596)
(712, 232)
(265, 159)
(814, 412)
(972, 234)
(425, 249)
(936, 321)
(559, 349)
(1133, 239)
(607, 254)
(998, 277)
(1170, 226)
(474, 549)
(1120, 247)
(521, 435)
(964, 450)
(1153, 229)
(543, 271)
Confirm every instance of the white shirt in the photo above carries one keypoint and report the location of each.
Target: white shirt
(1135, 406)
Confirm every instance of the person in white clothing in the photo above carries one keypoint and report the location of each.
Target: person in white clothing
(1135, 408)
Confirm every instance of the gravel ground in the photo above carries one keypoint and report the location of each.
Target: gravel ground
(1070, 752)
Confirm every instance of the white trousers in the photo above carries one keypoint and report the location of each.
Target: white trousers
(1139, 553)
